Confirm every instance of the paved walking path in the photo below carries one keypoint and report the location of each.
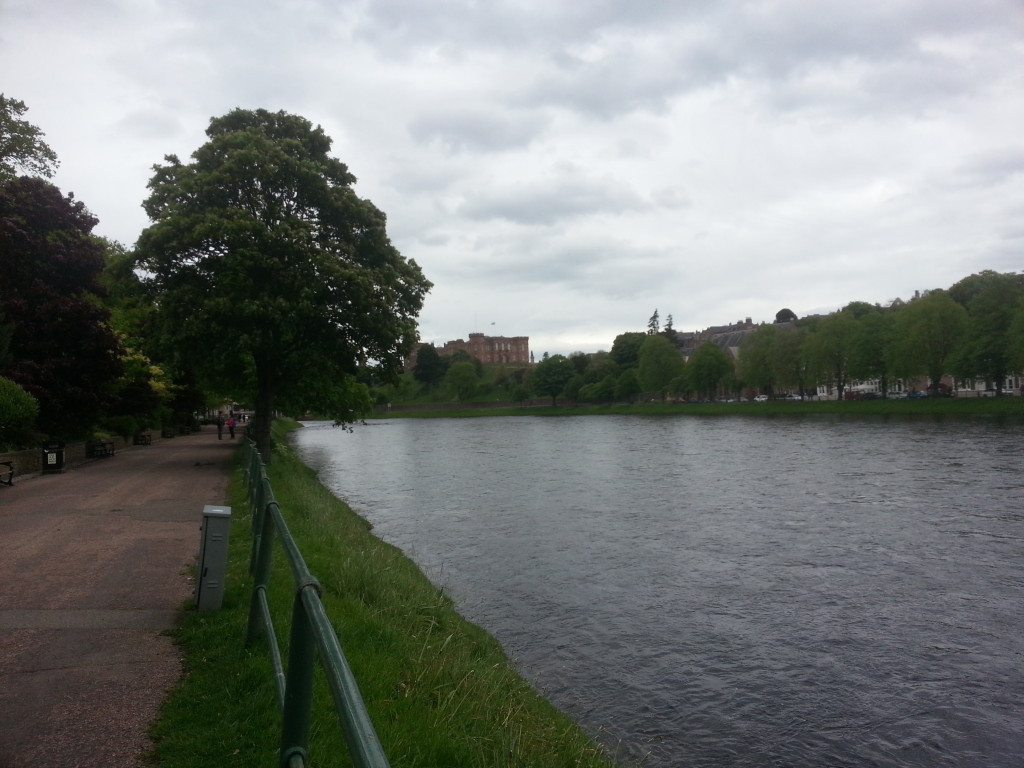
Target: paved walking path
(94, 566)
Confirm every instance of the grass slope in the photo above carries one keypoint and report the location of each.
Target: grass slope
(440, 691)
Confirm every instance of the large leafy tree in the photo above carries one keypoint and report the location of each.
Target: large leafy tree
(275, 281)
(659, 363)
(430, 367)
(709, 367)
(928, 331)
(22, 148)
(757, 363)
(991, 298)
(61, 349)
(830, 348)
(552, 375)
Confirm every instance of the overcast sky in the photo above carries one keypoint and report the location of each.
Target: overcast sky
(562, 168)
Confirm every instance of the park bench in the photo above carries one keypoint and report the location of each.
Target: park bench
(98, 448)
(143, 438)
(6, 472)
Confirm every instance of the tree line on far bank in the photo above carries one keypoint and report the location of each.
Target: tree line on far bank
(973, 330)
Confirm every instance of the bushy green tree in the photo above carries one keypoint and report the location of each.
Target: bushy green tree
(462, 380)
(551, 375)
(18, 413)
(626, 349)
(991, 300)
(430, 366)
(659, 363)
(275, 281)
(709, 367)
(61, 348)
(928, 332)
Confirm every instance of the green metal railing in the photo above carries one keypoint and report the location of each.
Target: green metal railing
(311, 636)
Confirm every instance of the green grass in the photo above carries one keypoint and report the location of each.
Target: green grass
(440, 691)
(1010, 406)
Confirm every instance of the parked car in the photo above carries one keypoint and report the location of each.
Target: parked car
(761, 399)
(793, 397)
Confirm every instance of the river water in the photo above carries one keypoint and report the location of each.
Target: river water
(726, 591)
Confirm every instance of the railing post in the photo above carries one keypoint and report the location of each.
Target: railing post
(263, 550)
(298, 696)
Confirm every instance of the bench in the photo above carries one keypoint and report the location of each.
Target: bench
(6, 472)
(143, 438)
(95, 449)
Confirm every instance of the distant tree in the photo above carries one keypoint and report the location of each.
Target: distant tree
(627, 385)
(660, 363)
(551, 375)
(653, 325)
(830, 347)
(928, 331)
(580, 361)
(276, 283)
(430, 367)
(789, 359)
(984, 353)
(871, 353)
(462, 380)
(21, 144)
(708, 368)
(1015, 340)
(601, 365)
(61, 348)
(757, 363)
(626, 349)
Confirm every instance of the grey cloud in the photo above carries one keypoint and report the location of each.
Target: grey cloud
(477, 131)
(546, 203)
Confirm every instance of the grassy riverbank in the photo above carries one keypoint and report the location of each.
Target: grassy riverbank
(440, 691)
(1012, 407)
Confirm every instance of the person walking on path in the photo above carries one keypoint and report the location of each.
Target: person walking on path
(231, 426)
(95, 570)
(220, 427)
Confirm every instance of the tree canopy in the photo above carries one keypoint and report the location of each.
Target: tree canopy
(60, 349)
(275, 281)
(21, 144)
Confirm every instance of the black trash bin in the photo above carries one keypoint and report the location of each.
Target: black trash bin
(53, 457)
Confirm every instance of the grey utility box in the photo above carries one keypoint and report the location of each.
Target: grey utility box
(213, 557)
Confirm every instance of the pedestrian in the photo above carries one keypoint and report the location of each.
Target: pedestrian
(220, 427)
(231, 427)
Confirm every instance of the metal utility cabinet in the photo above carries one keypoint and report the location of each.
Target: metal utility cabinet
(213, 557)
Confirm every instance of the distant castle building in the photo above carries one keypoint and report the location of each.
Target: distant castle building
(487, 349)
(492, 349)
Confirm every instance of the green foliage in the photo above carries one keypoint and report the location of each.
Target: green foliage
(626, 349)
(21, 144)
(275, 282)
(708, 369)
(462, 380)
(659, 362)
(991, 301)
(60, 347)
(928, 332)
(551, 375)
(430, 366)
(18, 413)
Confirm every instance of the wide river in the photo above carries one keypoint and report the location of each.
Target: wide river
(726, 591)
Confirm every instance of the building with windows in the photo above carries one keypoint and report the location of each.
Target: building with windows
(492, 349)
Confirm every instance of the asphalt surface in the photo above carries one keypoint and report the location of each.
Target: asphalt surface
(94, 568)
